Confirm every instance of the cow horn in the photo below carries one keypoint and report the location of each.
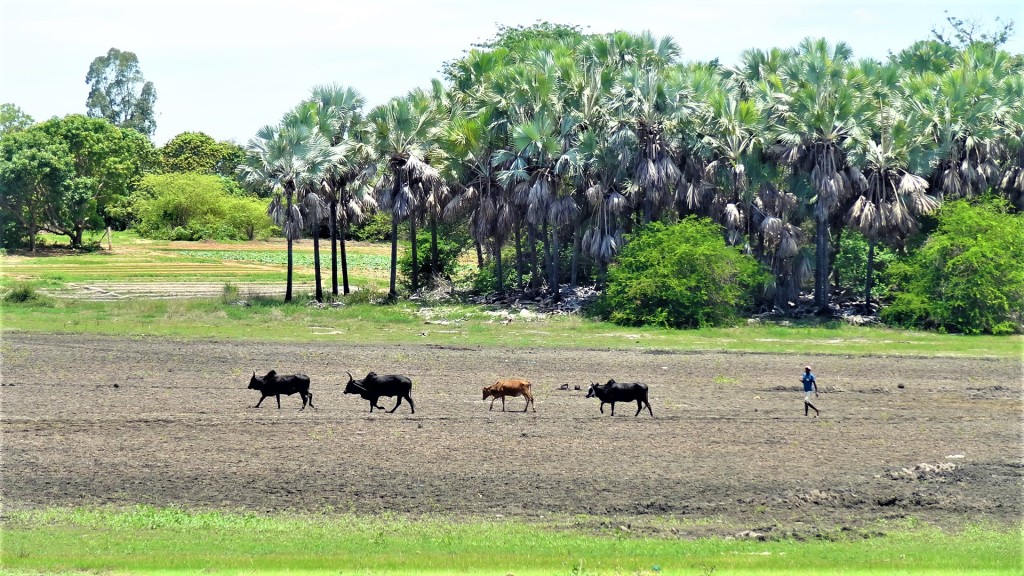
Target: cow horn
(350, 378)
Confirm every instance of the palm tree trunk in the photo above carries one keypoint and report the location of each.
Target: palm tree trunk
(519, 258)
(334, 247)
(415, 262)
(479, 255)
(392, 293)
(554, 263)
(497, 267)
(577, 247)
(344, 258)
(871, 265)
(288, 234)
(532, 241)
(435, 262)
(316, 263)
(821, 263)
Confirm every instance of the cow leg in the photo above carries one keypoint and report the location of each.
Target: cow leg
(613, 408)
(260, 402)
(303, 401)
(527, 407)
(649, 408)
(492, 403)
(278, 401)
(311, 400)
(639, 407)
(412, 407)
(502, 403)
(397, 404)
(602, 407)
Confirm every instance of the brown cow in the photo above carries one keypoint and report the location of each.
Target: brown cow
(514, 387)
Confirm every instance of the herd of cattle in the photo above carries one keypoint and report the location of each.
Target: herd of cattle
(374, 386)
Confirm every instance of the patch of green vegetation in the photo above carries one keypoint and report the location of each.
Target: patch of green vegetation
(146, 539)
(354, 259)
(363, 319)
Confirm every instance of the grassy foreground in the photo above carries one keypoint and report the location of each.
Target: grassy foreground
(470, 326)
(170, 540)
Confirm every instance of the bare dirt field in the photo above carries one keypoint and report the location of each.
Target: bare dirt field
(100, 420)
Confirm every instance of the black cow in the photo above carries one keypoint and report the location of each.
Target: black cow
(613, 392)
(274, 385)
(373, 387)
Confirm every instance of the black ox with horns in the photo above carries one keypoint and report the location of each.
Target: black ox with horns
(613, 392)
(274, 384)
(373, 387)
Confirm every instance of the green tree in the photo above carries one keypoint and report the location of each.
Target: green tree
(194, 206)
(403, 129)
(108, 165)
(13, 118)
(119, 92)
(968, 277)
(818, 104)
(36, 171)
(288, 159)
(680, 276)
(200, 153)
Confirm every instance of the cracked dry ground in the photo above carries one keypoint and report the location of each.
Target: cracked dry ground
(729, 449)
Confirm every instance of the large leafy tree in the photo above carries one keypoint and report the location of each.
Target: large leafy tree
(199, 153)
(13, 118)
(36, 175)
(108, 164)
(119, 92)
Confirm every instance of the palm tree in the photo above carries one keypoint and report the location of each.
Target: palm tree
(402, 131)
(288, 159)
(339, 120)
(817, 105)
(959, 109)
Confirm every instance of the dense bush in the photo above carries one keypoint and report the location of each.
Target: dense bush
(375, 228)
(680, 276)
(450, 244)
(485, 280)
(851, 265)
(23, 293)
(968, 277)
(198, 207)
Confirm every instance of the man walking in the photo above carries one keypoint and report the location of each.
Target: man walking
(809, 385)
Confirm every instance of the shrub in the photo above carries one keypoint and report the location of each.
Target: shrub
(198, 207)
(851, 265)
(23, 293)
(485, 281)
(375, 228)
(680, 276)
(969, 275)
(450, 245)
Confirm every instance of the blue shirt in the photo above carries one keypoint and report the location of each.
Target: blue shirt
(808, 380)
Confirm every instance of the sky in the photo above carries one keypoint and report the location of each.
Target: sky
(228, 67)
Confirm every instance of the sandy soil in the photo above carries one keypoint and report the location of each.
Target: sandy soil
(100, 420)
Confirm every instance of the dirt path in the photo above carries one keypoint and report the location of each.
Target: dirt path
(729, 447)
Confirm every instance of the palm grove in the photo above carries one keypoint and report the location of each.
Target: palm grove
(552, 152)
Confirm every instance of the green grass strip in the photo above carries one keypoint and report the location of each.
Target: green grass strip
(272, 320)
(170, 540)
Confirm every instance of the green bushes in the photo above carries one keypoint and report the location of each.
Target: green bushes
(23, 293)
(680, 276)
(198, 207)
(450, 244)
(968, 277)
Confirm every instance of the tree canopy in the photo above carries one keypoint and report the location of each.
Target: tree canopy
(119, 92)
